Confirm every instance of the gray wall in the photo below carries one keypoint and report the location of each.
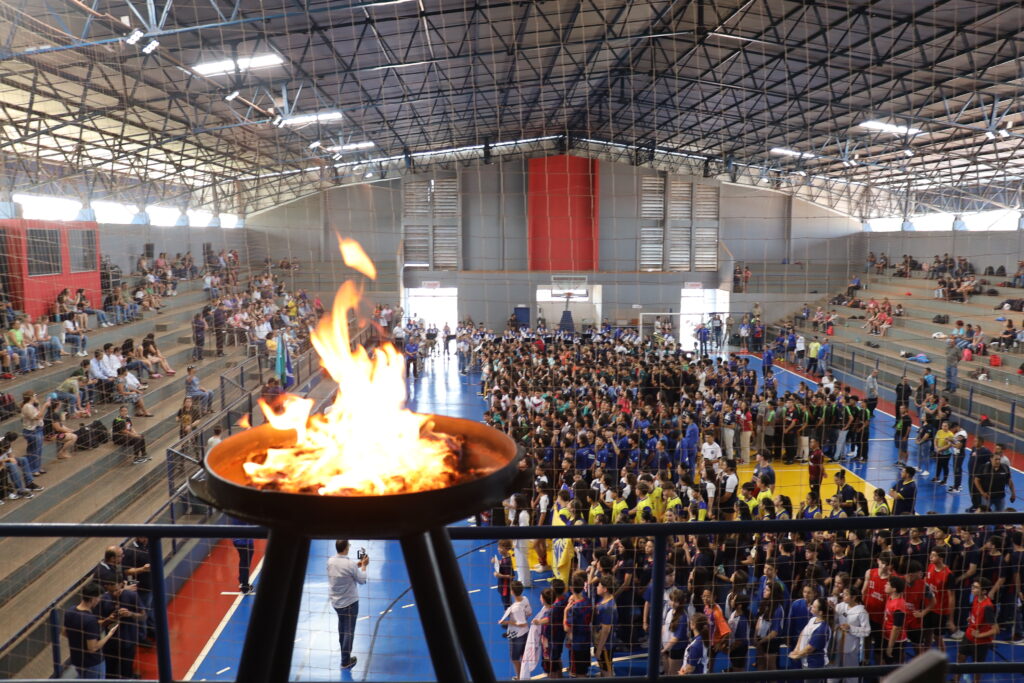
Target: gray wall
(619, 215)
(494, 216)
(988, 248)
(755, 224)
(292, 229)
(124, 243)
(306, 228)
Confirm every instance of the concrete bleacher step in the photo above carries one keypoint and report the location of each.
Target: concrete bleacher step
(93, 486)
(58, 563)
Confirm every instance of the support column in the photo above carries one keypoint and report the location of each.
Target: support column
(270, 639)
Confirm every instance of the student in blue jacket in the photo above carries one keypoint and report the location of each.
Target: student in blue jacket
(812, 646)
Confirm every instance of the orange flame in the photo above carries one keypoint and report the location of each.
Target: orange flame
(369, 443)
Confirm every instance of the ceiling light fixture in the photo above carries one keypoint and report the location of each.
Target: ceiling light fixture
(884, 127)
(990, 135)
(366, 144)
(134, 37)
(276, 121)
(315, 144)
(151, 47)
(369, 174)
(319, 117)
(232, 95)
(784, 152)
(227, 66)
(1003, 133)
(908, 152)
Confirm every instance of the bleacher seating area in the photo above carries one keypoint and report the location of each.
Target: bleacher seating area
(991, 383)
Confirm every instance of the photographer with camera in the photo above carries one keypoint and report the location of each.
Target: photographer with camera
(343, 578)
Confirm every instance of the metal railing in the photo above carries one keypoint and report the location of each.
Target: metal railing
(660, 534)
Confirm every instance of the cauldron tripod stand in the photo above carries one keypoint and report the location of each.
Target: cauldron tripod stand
(417, 519)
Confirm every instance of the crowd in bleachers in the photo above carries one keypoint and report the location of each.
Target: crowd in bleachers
(621, 428)
(258, 314)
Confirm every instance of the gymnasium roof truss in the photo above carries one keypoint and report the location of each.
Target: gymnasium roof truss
(89, 108)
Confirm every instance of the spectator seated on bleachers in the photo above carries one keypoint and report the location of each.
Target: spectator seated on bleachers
(1008, 337)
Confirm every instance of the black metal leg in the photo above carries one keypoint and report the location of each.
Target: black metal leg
(466, 627)
(438, 627)
(270, 638)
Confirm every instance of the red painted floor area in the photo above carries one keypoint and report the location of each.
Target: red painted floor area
(197, 610)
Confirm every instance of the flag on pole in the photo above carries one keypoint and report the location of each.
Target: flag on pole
(283, 368)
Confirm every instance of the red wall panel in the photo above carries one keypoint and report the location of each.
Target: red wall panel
(36, 294)
(562, 226)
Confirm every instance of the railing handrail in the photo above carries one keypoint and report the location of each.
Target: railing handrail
(468, 533)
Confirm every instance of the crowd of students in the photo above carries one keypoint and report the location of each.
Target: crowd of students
(618, 429)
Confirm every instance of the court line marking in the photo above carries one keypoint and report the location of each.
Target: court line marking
(224, 670)
(222, 625)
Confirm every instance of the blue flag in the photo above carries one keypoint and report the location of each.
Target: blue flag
(283, 368)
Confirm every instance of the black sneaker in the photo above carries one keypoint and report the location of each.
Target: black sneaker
(351, 663)
(35, 487)
(25, 493)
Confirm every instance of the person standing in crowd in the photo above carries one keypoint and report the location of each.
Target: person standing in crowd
(953, 356)
(852, 628)
(904, 393)
(904, 493)
(579, 615)
(344, 576)
(121, 611)
(516, 620)
(991, 481)
(85, 636)
(871, 390)
(32, 429)
(894, 629)
(981, 626)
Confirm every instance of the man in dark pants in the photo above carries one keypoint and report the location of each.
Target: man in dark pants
(980, 455)
(220, 323)
(343, 579)
(135, 565)
(85, 635)
(904, 392)
(991, 480)
(245, 548)
(121, 607)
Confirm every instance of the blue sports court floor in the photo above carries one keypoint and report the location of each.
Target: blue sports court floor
(389, 638)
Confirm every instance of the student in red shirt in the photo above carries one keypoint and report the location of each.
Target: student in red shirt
(981, 625)
(873, 594)
(894, 631)
(938, 576)
(921, 600)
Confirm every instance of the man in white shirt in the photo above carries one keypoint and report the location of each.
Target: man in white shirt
(344, 576)
(710, 451)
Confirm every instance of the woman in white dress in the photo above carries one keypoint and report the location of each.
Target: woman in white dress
(852, 627)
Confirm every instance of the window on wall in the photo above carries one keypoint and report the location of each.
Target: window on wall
(431, 223)
(678, 224)
(82, 245)
(43, 252)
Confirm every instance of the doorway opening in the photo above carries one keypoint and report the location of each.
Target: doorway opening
(437, 305)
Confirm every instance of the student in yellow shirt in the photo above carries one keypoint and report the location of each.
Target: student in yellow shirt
(619, 505)
(943, 452)
(644, 510)
(671, 499)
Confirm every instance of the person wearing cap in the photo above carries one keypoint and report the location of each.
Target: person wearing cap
(904, 492)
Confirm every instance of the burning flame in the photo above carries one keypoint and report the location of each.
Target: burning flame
(369, 443)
